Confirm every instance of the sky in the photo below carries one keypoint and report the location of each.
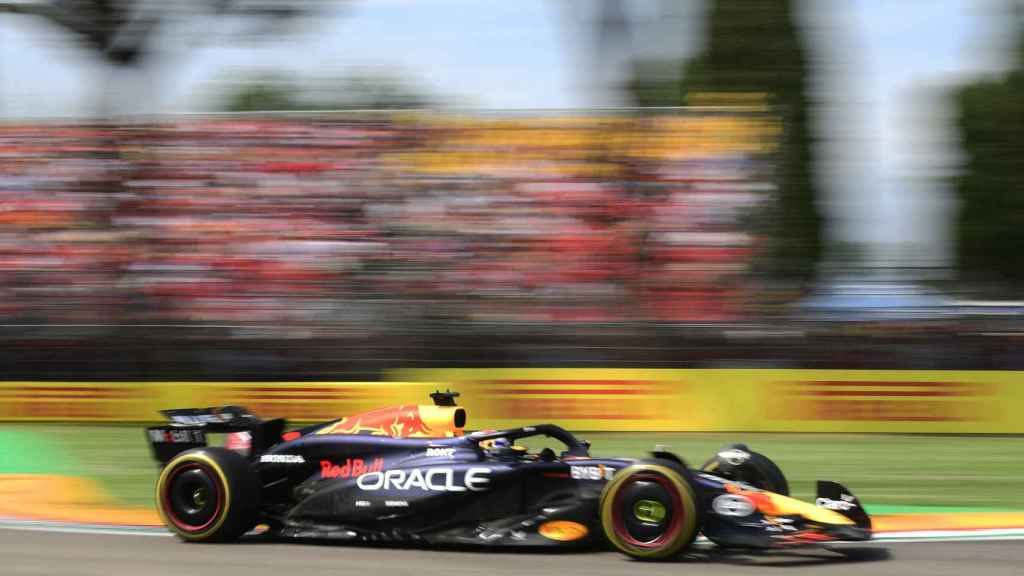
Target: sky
(880, 67)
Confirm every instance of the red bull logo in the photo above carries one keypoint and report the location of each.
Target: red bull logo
(353, 468)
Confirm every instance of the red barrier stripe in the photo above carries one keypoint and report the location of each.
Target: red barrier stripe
(21, 392)
(284, 396)
(577, 391)
(854, 418)
(72, 396)
(577, 416)
(576, 382)
(604, 417)
(58, 397)
(318, 390)
(888, 393)
(916, 384)
(44, 389)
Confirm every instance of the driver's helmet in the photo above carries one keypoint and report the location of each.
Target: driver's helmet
(502, 448)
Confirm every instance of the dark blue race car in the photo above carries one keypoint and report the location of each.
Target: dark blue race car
(413, 474)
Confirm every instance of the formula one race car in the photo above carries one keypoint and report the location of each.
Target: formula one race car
(412, 474)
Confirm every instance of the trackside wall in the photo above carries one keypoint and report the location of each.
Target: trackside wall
(584, 399)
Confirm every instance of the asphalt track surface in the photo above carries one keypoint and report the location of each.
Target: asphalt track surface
(26, 552)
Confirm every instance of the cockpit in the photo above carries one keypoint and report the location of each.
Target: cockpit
(504, 444)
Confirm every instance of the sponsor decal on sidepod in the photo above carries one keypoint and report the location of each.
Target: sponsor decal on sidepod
(733, 505)
(177, 436)
(353, 468)
(432, 479)
(282, 459)
(562, 530)
(837, 505)
(599, 472)
(239, 442)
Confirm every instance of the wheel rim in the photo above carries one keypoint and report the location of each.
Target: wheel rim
(647, 511)
(652, 511)
(193, 497)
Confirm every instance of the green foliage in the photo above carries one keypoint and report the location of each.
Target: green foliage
(990, 236)
(655, 83)
(754, 47)
(266, 93)
(375, 91)
(122, 33)
(362, 91)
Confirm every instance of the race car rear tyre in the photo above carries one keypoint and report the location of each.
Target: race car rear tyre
(208, 495)
(757, 470)
(649, 510)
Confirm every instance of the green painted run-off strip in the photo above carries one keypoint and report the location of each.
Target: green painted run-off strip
(27, 452)
(884, 509)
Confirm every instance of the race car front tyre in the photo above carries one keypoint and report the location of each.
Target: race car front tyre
(649, 510)
(208, 495)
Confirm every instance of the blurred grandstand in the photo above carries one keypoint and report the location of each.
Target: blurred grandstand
(341, 245)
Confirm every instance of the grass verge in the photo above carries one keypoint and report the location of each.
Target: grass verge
(883, 470)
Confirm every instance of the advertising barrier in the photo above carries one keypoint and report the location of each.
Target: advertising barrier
(742, 400)
(142, 401)
(583, 399)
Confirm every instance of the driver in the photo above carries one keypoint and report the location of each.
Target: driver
(503, 449)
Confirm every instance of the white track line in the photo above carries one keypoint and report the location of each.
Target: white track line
(894, 537)
(952, 535)
(70, 528)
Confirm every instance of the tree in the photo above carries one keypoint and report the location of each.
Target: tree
(365, 90)
(122, 33)
(990, 187)
(267, 92)
(754, 47)
(655, 83)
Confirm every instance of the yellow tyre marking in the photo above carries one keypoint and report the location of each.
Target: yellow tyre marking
(194, 457)
(686, 496)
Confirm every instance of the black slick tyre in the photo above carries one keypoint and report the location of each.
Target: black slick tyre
(208, 495)
(649, 510)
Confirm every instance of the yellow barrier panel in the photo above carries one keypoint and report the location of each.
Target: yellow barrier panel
(893, 401)
(142, 401)
(583, 399)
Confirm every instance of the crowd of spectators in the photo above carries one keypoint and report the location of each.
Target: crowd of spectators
(373, 222)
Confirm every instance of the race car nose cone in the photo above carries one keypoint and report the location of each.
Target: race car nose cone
(649, 511)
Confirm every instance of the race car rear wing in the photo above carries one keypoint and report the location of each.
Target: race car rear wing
(188, 428)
